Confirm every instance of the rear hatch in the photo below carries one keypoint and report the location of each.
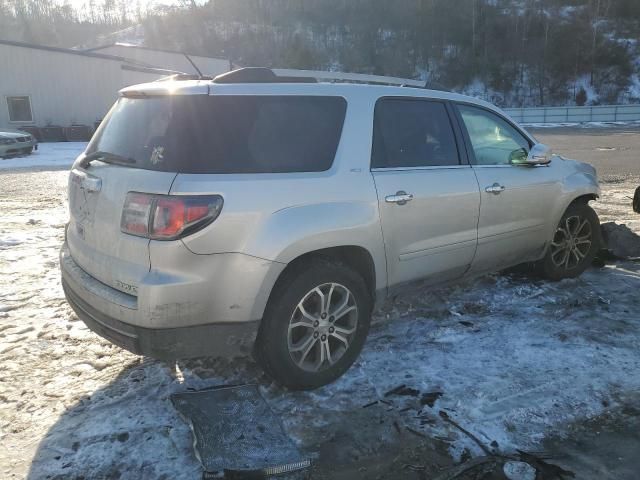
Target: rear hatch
(96, 198)
(128, 154)
(147, 140)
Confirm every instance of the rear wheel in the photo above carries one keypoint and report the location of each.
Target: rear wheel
(315, 324)
(575, 243)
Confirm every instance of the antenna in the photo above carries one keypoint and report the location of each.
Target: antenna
(194, 65)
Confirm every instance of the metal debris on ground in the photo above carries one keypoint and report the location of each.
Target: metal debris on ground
(494, 461)
(236, 433)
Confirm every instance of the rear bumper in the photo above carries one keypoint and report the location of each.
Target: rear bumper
(120, 318)
(217, 339)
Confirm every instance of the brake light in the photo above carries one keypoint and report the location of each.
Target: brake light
(168, 217)
(135, 214)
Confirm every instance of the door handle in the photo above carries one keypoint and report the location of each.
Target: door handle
(496, 189)
(400, 198)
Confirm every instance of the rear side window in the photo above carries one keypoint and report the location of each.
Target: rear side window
(224, 134)
(412, 133)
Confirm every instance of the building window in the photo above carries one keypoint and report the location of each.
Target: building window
(19, 109)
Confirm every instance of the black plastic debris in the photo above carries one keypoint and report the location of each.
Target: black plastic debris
(237, 434)
(430, 398)
(620, 241)
(403, 390)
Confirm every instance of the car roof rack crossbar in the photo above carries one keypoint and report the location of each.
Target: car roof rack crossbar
(267, 75)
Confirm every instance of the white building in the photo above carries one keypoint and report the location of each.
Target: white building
(46, 86)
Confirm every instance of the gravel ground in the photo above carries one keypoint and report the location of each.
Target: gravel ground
(524, 363)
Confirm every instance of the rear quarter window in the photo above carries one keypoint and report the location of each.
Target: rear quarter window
(225, 134)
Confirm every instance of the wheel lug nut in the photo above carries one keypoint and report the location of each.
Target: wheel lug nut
(315, 334)
(331, 319)
(323, 316)
(331, 329)
(316, 323)
(323, 338)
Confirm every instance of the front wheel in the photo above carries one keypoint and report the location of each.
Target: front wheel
(315, 324)
(575, 243)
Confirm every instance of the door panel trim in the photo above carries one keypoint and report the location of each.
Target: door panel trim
(409, 169)
(510, 233)
(437, 250)
(511, 166)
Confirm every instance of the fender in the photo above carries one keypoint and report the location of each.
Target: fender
(297, 230)
(581, 181)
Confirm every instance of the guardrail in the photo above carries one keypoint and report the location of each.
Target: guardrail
(600, 113)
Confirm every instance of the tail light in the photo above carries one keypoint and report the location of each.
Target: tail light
(168, 217)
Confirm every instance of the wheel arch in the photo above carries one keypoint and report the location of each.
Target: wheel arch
(584, 198)
(355, 257)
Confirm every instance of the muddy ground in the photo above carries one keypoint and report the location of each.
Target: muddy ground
(517, 361)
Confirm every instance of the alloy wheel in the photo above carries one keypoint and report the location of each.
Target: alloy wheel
(571, 242)
(322, 327)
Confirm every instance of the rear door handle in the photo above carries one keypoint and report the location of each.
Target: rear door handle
(400, 198)
(496, 189)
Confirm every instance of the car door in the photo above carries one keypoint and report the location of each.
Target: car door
(428, 199)
(516, 200)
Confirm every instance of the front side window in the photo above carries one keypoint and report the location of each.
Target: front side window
(412, 133)
(19, 109)
(494, 140)
(224, 133)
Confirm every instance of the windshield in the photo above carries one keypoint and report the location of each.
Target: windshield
(223, 134)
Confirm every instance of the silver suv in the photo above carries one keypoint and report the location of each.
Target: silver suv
(271, 214)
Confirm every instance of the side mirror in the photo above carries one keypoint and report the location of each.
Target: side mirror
(540, 154)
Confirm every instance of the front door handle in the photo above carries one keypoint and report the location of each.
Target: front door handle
(400, 198)
(496, 189)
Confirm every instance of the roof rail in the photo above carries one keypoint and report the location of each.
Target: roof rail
(350, 77)
(267, 75)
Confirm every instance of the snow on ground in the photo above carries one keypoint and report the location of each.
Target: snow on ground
(60, 154)
(514, 358)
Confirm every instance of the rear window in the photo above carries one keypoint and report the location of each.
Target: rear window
(224, 133)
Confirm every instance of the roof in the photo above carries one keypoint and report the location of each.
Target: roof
(347, 90)
(127, 63)
(69, 51)
(142, 47)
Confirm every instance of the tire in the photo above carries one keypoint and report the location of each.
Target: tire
(575, 244)
(298, 357)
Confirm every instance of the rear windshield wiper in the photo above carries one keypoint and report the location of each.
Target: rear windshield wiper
(106, 157)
